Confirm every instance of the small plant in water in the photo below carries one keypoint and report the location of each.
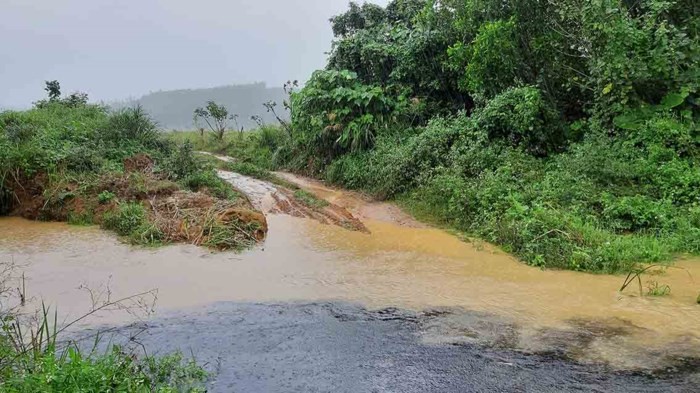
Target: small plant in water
(655, 289)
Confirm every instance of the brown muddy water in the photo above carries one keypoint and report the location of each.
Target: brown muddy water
(400, 263)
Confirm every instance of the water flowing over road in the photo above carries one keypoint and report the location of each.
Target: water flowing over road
(396, 307)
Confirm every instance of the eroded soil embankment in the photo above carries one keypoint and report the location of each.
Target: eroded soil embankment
(164, 213)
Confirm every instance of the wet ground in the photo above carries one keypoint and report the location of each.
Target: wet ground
(340, 347)
(307, 311)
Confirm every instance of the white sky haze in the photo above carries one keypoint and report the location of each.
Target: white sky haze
(116, 49)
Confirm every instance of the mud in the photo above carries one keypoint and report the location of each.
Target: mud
(361, 206)
(274, 199)
(342, 347)
(559, 328)
(577, 315)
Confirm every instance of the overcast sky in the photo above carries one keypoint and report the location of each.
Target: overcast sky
(116, 49)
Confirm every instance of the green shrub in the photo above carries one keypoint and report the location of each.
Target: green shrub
(130, 124)
(126, 219)
(208, 180)
(183, 162)
(636, 213)
(105, 197)
(73, 371)
(521, 117)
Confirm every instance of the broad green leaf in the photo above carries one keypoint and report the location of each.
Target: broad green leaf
(673, 100)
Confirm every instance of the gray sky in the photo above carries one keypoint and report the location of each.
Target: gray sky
(115, 49)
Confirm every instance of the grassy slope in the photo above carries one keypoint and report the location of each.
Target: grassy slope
(84, 165)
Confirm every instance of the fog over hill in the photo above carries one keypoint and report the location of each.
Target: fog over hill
(174, 109)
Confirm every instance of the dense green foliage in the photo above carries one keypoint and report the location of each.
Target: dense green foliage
(67, 160)
(564, 131)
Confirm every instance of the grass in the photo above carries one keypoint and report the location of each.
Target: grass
(310, 200)
(256, 147)
(86, 165)
(35, 357)
(114, 371)
(657, 290)
(126, 219)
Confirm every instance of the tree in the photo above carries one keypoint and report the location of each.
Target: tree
(258, 120)
(289, 88)
(239, 128)
(216, 116)
(76, 99)
(53, 88)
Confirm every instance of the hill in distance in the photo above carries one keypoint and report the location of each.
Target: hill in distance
(173, 109)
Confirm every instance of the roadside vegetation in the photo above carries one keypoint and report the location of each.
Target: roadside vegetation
(566, 132)
(68, 160)
(48, 365)
(39, 355)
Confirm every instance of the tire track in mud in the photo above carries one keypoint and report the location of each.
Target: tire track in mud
(275, 199)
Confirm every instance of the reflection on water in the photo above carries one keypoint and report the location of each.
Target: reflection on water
(402, 266)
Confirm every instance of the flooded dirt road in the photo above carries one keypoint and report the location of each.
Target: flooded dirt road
(470, 297)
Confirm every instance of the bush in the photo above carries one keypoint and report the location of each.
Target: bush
(208, 180)
(126, 219)
(114, 371)
(183, 162)
(105, 197)
(130, 124)
(521, 117)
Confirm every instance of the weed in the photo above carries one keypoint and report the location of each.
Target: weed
(83, 218)
(657, 290)
(36, 361)
(208, 180)
(147, 233)
(310, 200)
(105, 197)
(126, 219)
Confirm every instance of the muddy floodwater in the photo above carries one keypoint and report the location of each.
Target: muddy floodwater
(400, 263)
